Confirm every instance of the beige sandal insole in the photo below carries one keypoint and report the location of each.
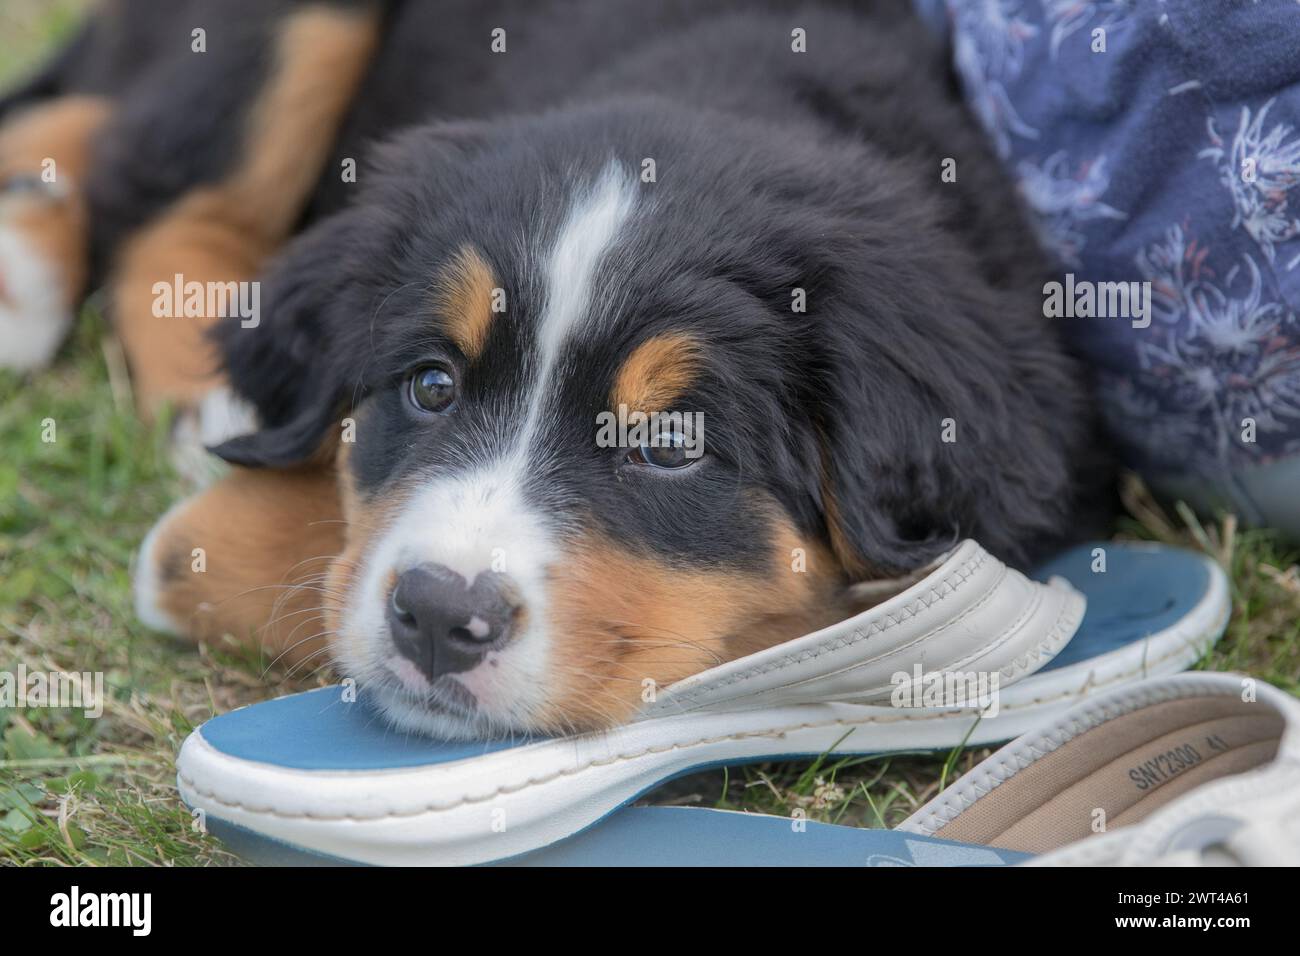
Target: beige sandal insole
(1120, 772)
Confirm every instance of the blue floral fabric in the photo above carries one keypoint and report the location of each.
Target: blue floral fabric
(1160, 142)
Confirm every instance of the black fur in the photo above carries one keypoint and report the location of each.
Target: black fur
(775, 170)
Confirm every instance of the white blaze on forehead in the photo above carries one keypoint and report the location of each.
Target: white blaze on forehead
(479, 519)
(459, 520)
(586, 235)
(479, 510)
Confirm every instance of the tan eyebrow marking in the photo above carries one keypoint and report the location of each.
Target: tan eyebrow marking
(464, 300)
(657, 372)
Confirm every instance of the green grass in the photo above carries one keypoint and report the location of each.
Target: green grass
(79, 791)
(29, 27)
(71, 513)
(74, 790)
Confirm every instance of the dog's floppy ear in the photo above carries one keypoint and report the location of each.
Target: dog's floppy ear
(947, 412)
(302, 363)
(286, 364)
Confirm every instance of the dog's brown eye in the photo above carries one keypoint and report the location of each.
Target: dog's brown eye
(432, 388)
(668, 450)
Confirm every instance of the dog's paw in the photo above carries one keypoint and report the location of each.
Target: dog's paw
(243, 560)
(34, 313)
(155, 570)
(219, 416)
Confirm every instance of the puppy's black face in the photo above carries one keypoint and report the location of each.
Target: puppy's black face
(620, 396)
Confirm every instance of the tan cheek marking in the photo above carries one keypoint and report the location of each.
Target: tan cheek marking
(619, 619)
(364, 520)
(798, 601)
(60, 130)
(358, 532)
(224, 232)
(267, 538)
(657, 373)
(464, 301)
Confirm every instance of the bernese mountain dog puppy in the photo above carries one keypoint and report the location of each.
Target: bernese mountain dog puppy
(642, 332)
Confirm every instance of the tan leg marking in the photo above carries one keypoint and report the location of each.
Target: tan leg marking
(60, 130)
(365, 518)
(224, 233)
(44, 241)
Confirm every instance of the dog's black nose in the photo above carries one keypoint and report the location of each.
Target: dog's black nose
(443, 624)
